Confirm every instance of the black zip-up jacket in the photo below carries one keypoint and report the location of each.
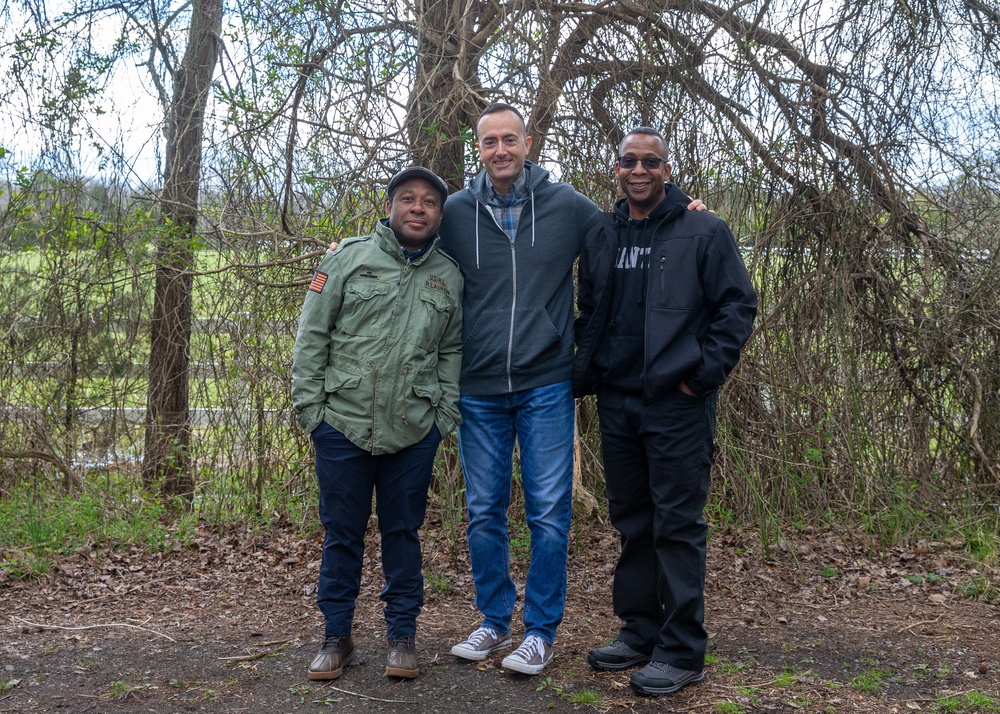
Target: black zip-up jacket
(699, 307)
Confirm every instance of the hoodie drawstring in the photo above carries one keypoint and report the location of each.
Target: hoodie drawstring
(531, 192)
(477, 234)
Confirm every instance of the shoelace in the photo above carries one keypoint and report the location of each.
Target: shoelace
(531, 647)
(480, 636)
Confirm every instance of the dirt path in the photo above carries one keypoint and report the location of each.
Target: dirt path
(228, 624)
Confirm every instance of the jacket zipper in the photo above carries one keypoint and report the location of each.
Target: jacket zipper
(645, 308)
(513, 303)
(405, 370)
(513, 312)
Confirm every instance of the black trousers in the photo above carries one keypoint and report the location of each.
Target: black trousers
(657, 470)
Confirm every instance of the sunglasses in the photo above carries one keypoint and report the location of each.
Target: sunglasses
(650, 163)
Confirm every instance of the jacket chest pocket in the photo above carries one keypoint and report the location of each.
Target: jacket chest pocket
(433, 312)
(674, 281)
(365, 307)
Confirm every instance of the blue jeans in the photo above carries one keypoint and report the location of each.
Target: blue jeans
(347, 475)
(541, 420)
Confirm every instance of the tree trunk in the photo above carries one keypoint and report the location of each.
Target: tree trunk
(168, 430)
(447, 96)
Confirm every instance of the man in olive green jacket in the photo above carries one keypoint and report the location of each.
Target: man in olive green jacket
(375, 383)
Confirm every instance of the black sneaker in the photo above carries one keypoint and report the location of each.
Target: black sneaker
(615, 656)
(658, 678)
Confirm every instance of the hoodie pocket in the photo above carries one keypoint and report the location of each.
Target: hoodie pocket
(484, 344)
(537, 341)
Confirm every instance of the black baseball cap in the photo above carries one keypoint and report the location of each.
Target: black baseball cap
(421, 173)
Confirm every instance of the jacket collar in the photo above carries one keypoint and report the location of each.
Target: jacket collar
(386, 240)
(673, 205)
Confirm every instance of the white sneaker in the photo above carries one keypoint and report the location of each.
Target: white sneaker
(530, 658)
(481, 644)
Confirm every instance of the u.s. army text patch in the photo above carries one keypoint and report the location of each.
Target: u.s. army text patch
(437, 283)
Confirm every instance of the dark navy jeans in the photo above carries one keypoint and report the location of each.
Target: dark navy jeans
(347, 476)
(657, 468)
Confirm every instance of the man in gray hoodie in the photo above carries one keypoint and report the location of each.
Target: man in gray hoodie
(515, 234)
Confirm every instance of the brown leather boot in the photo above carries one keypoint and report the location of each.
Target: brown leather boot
(335, 654)
(402, 659)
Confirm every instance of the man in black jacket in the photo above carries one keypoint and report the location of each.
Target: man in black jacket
(666, 305)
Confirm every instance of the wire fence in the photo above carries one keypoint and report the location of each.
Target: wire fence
(869, 392)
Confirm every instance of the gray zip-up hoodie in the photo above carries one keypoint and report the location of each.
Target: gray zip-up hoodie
(518, 301)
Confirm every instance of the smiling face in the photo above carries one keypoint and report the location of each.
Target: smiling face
(415, 212)
(642, 187)
(503, 145)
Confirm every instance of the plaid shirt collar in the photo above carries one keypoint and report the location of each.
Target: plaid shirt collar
(507, 208)
(517, 190)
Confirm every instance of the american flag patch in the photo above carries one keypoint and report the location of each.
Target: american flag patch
(319, 280)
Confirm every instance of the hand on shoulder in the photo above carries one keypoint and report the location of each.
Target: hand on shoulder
(696, 205)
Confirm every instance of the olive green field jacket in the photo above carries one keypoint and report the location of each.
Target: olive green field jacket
(378, 351)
